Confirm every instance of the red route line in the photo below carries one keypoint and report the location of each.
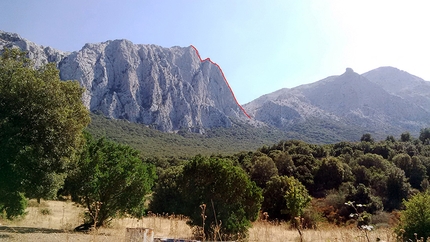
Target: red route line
(225, 79)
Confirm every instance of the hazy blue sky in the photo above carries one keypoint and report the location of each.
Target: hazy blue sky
(262, 46)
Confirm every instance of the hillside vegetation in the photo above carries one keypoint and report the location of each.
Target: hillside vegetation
(153, 143)
(226, 141)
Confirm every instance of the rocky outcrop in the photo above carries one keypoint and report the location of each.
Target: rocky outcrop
(166, 88)
(39, 54)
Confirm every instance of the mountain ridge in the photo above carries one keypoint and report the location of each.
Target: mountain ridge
(351, 99)
(174, 90)
(165, 88)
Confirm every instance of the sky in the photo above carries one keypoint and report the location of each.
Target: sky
(261, 46)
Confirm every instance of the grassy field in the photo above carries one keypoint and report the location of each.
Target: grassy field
(55, 220)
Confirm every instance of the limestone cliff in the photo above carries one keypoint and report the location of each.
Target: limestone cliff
(166, 88)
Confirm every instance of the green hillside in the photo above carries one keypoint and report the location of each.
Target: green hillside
(154, 143)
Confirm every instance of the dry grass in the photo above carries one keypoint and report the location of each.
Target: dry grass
(55, 220)
(265, 231)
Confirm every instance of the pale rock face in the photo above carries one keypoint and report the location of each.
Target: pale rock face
(166, 88)
(39, 54)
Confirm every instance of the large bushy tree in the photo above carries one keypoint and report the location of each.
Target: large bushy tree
(230, 199)
(110, 180)
(330, 174)
(41, 123)
(263, 169)
(284, 198)
(167, 196)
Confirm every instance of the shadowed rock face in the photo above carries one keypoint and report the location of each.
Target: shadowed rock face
(166, 88)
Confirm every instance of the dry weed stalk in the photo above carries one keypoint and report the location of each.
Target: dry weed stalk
(203, 214)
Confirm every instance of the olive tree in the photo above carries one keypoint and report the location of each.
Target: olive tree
(41, 123)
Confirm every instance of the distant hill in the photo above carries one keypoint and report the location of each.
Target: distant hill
(381, 102)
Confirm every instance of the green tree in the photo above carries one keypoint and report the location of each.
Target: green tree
(283, 162)
(284, 198)
(297, 198)
(413, 167)
(231, 199)
(425, 136)
(403, 161)
(397, 188)
(305, 168)
(405, 137)
(390, 138)
(415, 219)
(330, 174)
(362, 195)
(41, 123)
(110, 180)
(167, 196)
(367, 138)
(263, 169)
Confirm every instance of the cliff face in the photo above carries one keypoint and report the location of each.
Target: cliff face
(166, 88)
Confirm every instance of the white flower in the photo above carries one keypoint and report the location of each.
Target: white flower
(367, 227)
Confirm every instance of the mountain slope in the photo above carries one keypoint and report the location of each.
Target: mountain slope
(402, 84)
(349, 100)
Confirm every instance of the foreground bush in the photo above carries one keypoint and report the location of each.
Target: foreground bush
(110, 180)
(415, 219)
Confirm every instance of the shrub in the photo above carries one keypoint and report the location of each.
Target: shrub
(415, 219)
(45, 211)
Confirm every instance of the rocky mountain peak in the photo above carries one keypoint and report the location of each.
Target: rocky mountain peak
(166, 88)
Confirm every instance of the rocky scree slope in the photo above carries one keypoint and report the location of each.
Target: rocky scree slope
(169, 89)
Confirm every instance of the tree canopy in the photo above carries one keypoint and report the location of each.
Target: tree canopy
(41, 123)
(224, 192)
